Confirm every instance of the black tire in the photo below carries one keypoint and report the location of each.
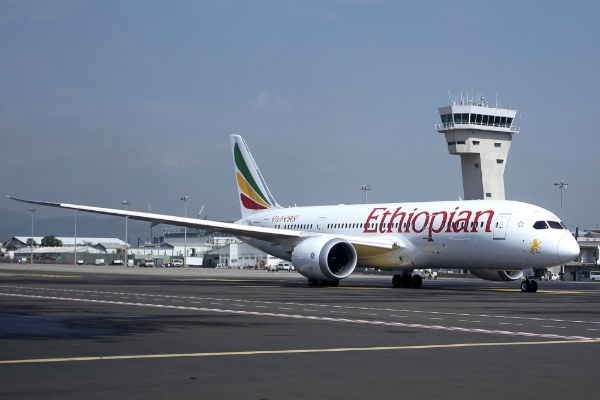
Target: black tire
(534, 286)
(312, 282)
(417, 281)
(525, 286)
(334, 283)
(397, 281)
(406, 281)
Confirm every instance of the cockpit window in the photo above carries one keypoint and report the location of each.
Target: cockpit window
(540, 225)
(555, 225)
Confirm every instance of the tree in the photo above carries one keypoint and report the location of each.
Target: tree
(29, 242)
(51, 241)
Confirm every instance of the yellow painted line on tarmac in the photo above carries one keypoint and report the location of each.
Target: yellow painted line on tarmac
(292, 351)
(44, 275)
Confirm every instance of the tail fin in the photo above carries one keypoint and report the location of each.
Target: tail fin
(252, 188)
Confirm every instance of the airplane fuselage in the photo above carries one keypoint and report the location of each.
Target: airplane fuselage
(475, 234)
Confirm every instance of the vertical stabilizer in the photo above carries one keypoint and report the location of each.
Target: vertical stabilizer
(254, 195)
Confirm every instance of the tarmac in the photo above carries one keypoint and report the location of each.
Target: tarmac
(96, 332)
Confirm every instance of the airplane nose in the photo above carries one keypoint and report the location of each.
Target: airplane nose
(568, 249)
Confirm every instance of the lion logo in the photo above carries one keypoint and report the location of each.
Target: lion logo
(535, 246)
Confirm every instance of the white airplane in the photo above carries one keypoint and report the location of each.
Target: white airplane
(494, 239)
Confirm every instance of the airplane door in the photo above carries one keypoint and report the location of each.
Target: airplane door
(500, 226)
(321, 224)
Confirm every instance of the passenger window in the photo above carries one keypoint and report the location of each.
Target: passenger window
(555, 225)
(540, 225)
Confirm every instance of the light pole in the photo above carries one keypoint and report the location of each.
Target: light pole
(365, 188)
(75, 256)
(126, 203)
(31, 210)
(185, 199)
(562, 185)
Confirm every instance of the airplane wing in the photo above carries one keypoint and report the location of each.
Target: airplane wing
(381, 244)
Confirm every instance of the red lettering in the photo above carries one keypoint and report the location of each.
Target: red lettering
(396, 214)
(462, 224)
(416, 227)
(450, 224)
(368, 228)
(409, 221)
(382, 225)
(433, 230)
(478, 214)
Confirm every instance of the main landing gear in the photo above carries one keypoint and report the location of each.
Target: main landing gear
(529, 285)
(407, 280)
(322, 282)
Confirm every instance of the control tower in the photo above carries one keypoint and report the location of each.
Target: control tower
(481, 136)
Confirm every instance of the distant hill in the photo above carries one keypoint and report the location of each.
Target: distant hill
(14, 223)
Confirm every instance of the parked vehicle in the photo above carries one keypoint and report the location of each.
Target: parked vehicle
(99, 261)
(176, 263)
(285, 266)
(79, 262)
(118, 262)
(595, 275)
(146, 263)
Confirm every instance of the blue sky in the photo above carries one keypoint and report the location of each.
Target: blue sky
(106, 101)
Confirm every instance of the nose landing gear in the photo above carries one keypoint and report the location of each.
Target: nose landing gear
(529, 286)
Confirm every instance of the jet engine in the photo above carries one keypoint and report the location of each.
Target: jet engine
(496, 275)
(325, 257)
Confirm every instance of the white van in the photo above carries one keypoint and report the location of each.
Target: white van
(285, 266)
(595, 275)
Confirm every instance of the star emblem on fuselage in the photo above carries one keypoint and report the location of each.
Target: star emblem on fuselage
(520, 224)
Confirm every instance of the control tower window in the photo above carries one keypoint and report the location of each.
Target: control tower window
(488, 195)
(479, 119)
(472, 118)
(485, 120)
(509, 122)
(499, 161)
(460, 142)
(503, 121)
(497, 121)
(446, 118)
(497, 144)
(540, 225)
(475, 142)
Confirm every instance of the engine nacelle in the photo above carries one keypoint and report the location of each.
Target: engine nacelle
(496, 275)
(325, 257)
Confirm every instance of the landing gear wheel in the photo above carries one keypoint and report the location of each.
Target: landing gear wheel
(406, 281)
(397, 280)
(417, 281)
(534, 286)
(312, 282)
(321, 282)
(334, 283)
(525, 286)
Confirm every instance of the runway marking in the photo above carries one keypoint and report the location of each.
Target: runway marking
(542, 291)
(328, 305)
(314, 318)
(294, 351)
